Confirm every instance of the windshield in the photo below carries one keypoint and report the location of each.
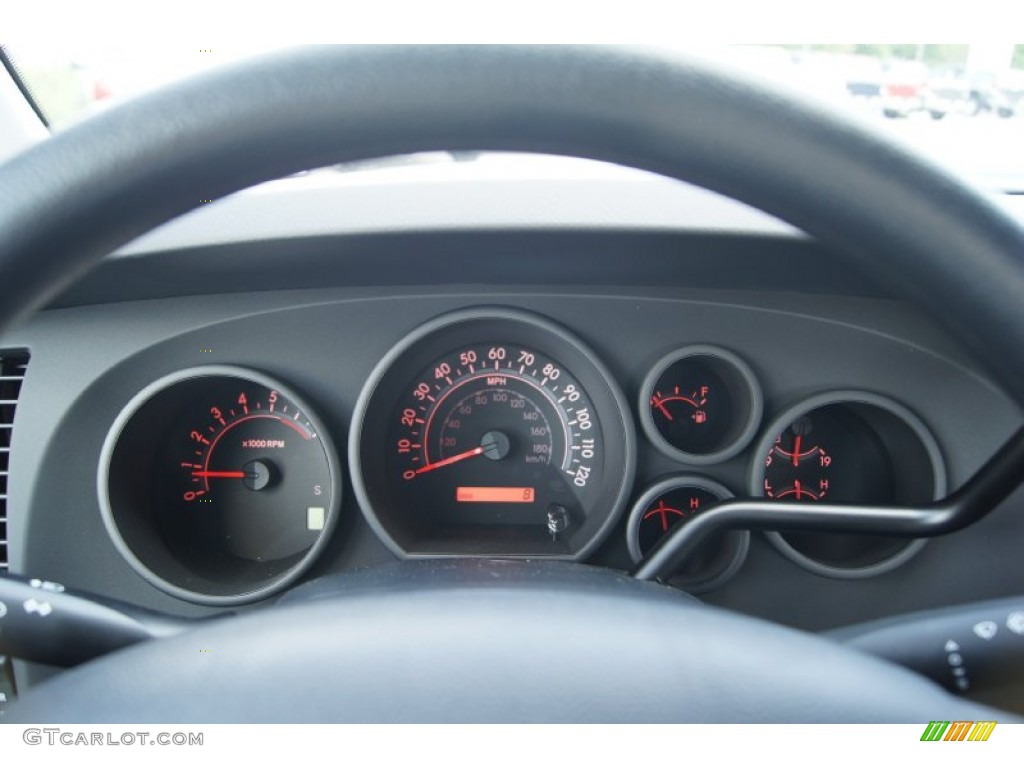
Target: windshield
(963, 104)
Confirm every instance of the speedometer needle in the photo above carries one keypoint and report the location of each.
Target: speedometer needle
(451, 459)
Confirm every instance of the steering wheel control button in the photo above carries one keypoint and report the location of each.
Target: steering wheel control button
(219, 485)
(700, 404)
(1015, 622)
(847, 447)
(986, 630)
(48, 586)
(675, 501)
(961, 681)
(40, 608)
(491, 433)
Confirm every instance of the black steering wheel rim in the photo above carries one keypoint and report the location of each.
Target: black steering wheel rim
(86, 191)
(83, 193)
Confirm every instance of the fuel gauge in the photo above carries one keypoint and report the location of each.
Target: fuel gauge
(700, 405)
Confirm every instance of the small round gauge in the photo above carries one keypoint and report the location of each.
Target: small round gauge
(848, 447)
(219, 485)
(491, 432)
(675, 501)
(700, 404)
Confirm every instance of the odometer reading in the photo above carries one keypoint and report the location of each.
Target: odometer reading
(495, 433)
(507, 495)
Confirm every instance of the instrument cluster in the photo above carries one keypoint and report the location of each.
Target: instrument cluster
(492, 432)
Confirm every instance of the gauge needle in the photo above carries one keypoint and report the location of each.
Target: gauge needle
(796, 451)
(663, 511)
(451, 459)
(238, 475)
(660, 405)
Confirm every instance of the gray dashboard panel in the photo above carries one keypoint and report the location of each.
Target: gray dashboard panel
(89, 361)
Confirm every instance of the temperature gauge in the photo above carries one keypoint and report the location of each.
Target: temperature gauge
(700, 405)
(676, 501)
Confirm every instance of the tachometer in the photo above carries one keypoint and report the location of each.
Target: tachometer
(492, 432)
(219, 485)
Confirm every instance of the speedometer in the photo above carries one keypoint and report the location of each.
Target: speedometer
(492, 433)
(511, 421)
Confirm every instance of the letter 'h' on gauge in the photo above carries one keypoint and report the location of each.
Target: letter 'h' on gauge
(960, 730)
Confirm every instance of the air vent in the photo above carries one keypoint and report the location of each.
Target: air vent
(12, 373)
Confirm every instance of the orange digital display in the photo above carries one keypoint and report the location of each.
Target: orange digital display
(504, 495)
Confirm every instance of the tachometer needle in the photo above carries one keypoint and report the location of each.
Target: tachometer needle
(236, 475)
(451, 459)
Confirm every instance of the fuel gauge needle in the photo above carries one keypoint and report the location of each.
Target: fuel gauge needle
(451, 459)
(660, 405)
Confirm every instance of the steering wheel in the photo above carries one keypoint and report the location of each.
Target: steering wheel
(490, 641)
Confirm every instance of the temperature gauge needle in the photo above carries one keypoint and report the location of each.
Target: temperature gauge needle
(452, 459)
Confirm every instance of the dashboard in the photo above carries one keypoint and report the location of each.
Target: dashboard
(211, 418)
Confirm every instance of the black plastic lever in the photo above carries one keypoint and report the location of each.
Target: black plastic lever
(44, 622)
(967, 648)
(988, 488)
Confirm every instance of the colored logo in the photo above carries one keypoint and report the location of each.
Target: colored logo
(959, 730)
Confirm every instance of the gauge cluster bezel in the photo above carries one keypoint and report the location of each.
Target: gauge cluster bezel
(607, 546)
